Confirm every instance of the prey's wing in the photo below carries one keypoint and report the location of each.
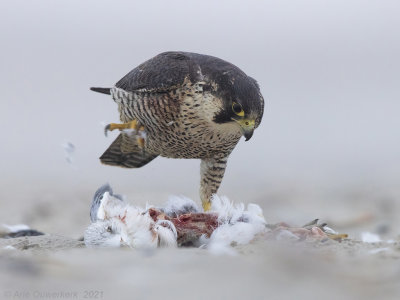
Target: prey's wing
(98, 197)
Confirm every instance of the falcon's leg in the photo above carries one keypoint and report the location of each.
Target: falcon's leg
(211, 171)
(132, 125)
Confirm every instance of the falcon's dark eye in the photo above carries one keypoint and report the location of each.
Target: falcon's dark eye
(101, 197)
(109, 229)
(237, 109)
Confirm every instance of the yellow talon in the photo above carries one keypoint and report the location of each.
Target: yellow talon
(140, 142)
(134, 125)
(207, 205)
(129, 125)
(140, 139)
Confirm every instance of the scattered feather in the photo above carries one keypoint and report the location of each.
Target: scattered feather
(329, 230)
(368, 237)
(15, 228)
(378, 250)
(69, 150)
(9, 247)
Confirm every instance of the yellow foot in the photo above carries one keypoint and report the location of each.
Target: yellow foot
(133, 125)
(141, 137)
(129, 125)
(207, 205)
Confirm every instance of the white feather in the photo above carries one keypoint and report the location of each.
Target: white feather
(180, 204)
(167, 234)
(227, 211)
(329, 230)
(238, 226)
(9, 247)
(16, 228)
(368, 237)
(133, 226)
(138, 229)
(378, 250)
(111, 207)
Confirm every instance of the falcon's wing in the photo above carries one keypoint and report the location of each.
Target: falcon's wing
(162, 73)
(125, 152)
(167, 71)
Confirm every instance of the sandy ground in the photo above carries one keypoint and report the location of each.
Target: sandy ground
(57, 265)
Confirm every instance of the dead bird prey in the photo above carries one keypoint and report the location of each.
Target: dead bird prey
(184, 105)
(116, 223)
(180, 222)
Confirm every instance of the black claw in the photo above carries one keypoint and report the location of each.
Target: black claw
(106, 129)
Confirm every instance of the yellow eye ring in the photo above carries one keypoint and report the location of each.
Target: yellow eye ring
(237, 109)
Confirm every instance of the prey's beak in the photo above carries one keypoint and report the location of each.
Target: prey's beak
(247, 127)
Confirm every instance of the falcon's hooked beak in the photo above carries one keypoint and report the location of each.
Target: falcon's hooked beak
(247, 127)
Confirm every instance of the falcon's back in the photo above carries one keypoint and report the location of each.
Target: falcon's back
(168, 71)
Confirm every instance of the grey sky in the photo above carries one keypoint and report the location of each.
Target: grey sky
(329, 72)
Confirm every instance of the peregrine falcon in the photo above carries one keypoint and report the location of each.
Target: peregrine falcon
(183, 105)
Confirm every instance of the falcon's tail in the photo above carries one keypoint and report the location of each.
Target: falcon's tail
(125, 152)
(101, 90)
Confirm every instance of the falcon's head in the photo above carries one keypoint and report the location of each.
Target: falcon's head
(241, 101)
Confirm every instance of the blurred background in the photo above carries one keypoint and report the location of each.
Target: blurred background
(328, 145)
